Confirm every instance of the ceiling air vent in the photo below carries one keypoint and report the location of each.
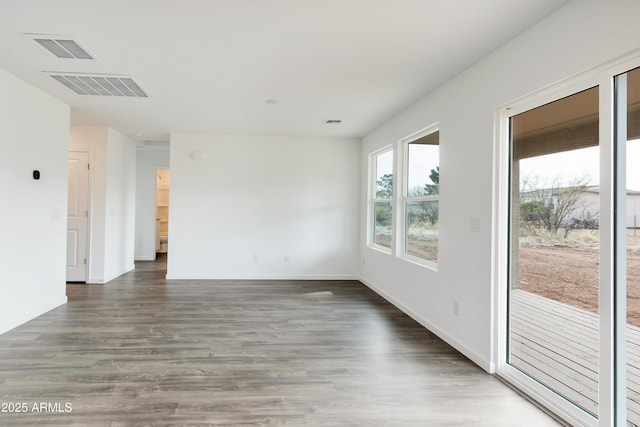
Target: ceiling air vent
(151, 143)
(61, 46)
(98, 85)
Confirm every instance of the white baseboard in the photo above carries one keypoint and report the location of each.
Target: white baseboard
(8, 324)
(125, 271)
(260, 277)
(483, 363)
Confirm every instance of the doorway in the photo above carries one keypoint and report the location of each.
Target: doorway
(162, 211)
(78, 216)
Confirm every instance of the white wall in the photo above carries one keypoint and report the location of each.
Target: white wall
(263, 196)
(121, 205)
(112, 235)
(578, 37)
(148, 161)
(34, 133)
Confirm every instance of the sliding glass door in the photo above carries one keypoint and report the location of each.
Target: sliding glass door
(628, 91)
(554, 253)
(571, 245)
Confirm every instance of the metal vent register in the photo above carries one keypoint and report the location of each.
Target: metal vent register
(63, 48)
(97, 85)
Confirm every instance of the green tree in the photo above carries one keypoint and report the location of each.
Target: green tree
(535, 212)
(385, 186)
(383, 214)
(434, 176)
(430, 209)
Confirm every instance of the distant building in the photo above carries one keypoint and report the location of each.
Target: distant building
(587, 207)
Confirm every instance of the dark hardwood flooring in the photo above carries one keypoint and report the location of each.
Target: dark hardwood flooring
(145, 351)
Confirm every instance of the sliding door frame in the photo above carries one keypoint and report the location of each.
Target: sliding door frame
(612, 271)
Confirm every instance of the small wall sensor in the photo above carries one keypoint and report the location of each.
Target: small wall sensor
(36, 174)
(198, 155)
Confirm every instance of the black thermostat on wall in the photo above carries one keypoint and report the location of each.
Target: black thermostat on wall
(36, 174)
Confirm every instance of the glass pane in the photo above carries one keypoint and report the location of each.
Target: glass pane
(423, 170)
(382, 224)
(553, 293)
(422, 230)
(633, 247)
(384, 175)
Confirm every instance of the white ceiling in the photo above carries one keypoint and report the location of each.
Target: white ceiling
(211, 65)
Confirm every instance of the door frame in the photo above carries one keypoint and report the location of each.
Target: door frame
(89, 209)
(157, 169)
(612, 383)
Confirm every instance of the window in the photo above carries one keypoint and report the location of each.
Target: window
(417, 198)
(381, 198)
(420, 199)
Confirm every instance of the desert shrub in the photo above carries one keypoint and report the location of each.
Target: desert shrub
(584, 223)
(535, 213)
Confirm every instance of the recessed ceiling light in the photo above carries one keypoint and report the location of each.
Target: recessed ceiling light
(332, 122)
(271, 101)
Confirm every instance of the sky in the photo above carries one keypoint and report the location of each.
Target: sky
(575, 163)
(422, 158)
(564, 165)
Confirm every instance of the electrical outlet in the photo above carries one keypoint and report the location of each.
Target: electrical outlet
(456, 308)
(255, 258)
(286, 259)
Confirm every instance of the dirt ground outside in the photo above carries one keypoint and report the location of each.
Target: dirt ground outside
(564, 270)
(569, 273)
(418, 246)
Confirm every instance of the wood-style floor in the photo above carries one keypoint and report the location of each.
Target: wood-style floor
(145, 351)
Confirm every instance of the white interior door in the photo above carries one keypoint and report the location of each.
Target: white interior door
(78, 216)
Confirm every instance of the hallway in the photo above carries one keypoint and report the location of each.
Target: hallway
(145, 351)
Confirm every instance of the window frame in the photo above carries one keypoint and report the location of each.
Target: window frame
(373, 199)
(404, 199)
